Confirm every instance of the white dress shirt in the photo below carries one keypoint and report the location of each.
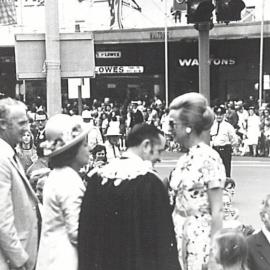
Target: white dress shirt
(223, 133)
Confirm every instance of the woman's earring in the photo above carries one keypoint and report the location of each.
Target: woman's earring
(188, 130)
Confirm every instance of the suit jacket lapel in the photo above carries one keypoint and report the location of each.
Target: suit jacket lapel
(21, 172)
(263, 247)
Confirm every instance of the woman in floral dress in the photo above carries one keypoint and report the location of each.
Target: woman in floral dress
(196, 183)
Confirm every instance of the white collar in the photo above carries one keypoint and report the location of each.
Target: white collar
(266, 233)
(6, 149)
(123, 168)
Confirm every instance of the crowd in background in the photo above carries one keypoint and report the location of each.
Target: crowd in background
(111, 121)
(251, 122)
(200, 191)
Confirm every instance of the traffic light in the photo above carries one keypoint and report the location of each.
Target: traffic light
(229, 10)
(199, 11)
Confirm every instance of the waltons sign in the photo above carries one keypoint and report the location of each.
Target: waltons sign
(214, 61)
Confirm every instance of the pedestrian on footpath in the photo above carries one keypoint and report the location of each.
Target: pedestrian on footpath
(196, 185)
(125, 220)
(223, 137)
(19, 213)
(68, 151)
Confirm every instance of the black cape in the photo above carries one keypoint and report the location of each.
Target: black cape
(126, 226)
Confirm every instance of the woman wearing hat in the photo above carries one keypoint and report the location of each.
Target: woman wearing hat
(196, 183)
(68, 151)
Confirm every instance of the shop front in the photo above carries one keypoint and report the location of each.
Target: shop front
(139, 69)
(136, 70)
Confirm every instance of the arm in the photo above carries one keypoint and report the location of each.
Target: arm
(10, 243)
(71, 199)
(216, 205)
(215, 202)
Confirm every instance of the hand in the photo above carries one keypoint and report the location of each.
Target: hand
(99, 163)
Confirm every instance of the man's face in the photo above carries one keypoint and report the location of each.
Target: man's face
(155, 150)
(41, 121)
(17, 125)
(219, 117)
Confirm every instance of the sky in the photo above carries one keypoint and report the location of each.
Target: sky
(95, 14)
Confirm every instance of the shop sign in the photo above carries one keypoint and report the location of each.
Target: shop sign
(7, 59)
(158, 35)
(191, 62)
(118, 69)
(266, 82)
(108, 54)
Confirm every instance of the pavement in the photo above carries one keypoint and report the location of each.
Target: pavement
(252, 177)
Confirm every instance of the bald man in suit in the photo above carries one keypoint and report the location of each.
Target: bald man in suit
(19, 213)
(259, 243)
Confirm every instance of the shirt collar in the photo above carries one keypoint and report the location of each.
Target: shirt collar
(266, 233)
(6, 149)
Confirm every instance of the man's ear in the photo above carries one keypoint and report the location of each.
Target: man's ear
(3, 124)
(145, 144)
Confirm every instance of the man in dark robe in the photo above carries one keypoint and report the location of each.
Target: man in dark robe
(125, 220)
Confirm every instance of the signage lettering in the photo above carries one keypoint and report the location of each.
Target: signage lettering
(7, 59)
(157, 35)
(214, 61)
(118, 69)
(108, 54)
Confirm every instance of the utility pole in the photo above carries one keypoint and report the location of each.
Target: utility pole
(166, 55)
(52, 62)
(204, 59)
(261, 58)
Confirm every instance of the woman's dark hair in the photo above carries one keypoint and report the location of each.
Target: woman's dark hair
(98, 148)
(65, 158)
(140, 132)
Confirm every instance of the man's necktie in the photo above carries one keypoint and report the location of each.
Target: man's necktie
(218, 126)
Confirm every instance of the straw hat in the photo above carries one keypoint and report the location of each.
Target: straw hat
(62, 132)
(86, 114)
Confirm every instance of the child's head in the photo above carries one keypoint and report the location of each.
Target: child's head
(230, 248)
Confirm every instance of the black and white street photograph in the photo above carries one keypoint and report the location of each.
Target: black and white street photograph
(134, 135)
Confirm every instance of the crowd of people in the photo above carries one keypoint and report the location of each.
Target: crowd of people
(251, 123)
(82, 192)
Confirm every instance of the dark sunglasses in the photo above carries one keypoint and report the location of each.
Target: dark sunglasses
(172, 124)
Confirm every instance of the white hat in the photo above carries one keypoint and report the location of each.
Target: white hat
(113, 129)
(86, 114)
(62, 132)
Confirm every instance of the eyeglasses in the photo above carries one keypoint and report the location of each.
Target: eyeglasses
(173, 124)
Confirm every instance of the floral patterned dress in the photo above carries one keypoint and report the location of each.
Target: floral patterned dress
(197, 171)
